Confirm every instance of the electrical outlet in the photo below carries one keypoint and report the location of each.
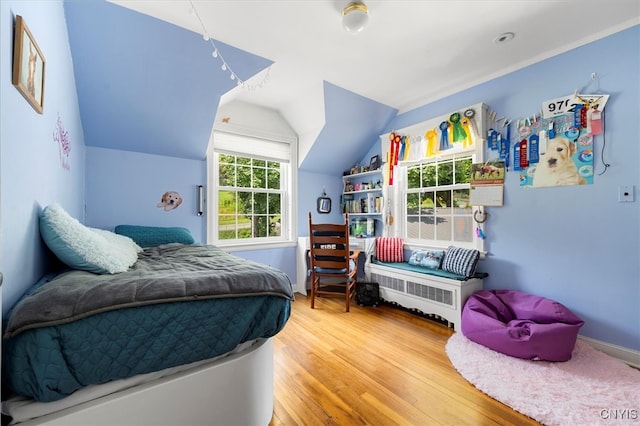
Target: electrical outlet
(625, 194)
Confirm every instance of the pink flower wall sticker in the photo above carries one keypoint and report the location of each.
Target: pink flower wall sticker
(61, 137)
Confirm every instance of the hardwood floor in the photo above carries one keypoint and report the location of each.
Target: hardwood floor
(373, 366)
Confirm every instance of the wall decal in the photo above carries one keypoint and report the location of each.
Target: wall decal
(61, 137)
(170, 200)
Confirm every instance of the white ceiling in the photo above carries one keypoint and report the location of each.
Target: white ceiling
(411, 53)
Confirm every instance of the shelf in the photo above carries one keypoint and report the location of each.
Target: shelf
(362, 191)
(362, 175)
(365, 214)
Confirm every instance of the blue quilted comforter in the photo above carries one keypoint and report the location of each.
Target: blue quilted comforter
(50, 358)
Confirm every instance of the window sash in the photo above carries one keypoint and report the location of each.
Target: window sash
(438, 226)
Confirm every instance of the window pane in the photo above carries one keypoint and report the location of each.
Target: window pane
(274, 204)
(225, 158)
(443, 203)
(428, 175)
(227, 175)
(463, 170)
(427, 230)
(412, 203)
(275, 226)
(413, 177)
(245, 202)
(463, 229)
(461, 201)
(259, 163)
(445, 173)
(244, 161)
(260, 203)
(226, 202)
(244, 177)
(443, 228)
(245, 227)
(273, 176)
(261, 226)
(226, 227)
(259, 178)
(413, 227)
(426, 203)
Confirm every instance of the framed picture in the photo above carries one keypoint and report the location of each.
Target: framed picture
(374, 164)
(324, 205)
(28, 66)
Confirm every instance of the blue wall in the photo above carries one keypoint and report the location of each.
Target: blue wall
(125, 187)
(31, 172)
(575, 244)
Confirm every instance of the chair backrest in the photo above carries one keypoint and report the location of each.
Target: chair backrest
(329, 245)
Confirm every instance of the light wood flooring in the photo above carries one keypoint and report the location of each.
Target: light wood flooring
(373, 366)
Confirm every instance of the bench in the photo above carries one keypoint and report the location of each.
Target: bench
(431, 291)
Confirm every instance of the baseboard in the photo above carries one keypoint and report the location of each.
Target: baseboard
(628, 356)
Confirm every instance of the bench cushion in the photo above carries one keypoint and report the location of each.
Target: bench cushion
(436, 272)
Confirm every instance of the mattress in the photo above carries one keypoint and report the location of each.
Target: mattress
(62, 335)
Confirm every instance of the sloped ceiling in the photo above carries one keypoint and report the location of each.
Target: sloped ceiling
(145, 85)
(147, 81)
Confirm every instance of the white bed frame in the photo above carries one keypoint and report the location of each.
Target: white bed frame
(235, 390)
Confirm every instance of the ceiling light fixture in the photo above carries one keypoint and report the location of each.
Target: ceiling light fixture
(355, 17)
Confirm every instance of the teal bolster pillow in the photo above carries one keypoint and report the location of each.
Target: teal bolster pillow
(151, 236)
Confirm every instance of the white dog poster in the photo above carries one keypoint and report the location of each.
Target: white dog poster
(554, 152)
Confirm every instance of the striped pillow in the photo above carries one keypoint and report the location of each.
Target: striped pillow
(460, 261)
(389, 249)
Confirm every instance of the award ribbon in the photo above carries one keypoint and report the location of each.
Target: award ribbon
(431, 136)
(444, 139)
(457, 134)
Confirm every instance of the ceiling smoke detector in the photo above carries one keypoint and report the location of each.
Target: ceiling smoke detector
(504, 38)
(355, 17)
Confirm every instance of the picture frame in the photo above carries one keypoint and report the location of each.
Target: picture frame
(323, 205)
(374, 163)
(28, 66)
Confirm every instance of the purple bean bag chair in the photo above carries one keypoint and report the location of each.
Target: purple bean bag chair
(521, 325)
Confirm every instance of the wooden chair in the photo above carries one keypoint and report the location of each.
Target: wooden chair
(334, 268)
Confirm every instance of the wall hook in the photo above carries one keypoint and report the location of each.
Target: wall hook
(480, 216)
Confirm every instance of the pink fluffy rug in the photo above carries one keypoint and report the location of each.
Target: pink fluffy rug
(590, 389)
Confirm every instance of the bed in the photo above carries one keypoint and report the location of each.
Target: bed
(182, 336)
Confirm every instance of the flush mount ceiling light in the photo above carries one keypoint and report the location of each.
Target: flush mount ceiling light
(355, 16)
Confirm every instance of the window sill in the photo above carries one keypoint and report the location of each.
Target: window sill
(250, 246)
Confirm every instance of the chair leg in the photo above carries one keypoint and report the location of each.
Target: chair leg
(313, 292)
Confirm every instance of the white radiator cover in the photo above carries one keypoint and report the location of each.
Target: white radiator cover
(429, 294)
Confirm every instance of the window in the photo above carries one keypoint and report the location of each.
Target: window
(437, 201)
(251, 187)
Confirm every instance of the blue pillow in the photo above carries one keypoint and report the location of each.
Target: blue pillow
(151, 236)
(84, 248)
(430, 259)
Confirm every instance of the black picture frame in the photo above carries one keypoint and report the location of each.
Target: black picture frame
(374, 163)
(323, 205)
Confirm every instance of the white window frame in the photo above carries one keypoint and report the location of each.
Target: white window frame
(401, 187)
(396, 193)
(269, 149)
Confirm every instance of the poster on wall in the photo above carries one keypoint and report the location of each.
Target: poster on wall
(554, 152)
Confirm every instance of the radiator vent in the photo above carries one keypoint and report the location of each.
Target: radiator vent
(432, 293)
(388, 282)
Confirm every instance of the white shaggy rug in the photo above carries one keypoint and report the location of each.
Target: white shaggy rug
(590, 389)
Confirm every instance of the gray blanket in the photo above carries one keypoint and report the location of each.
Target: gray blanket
(161, 274)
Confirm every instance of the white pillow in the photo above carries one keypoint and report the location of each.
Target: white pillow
(84, 248)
